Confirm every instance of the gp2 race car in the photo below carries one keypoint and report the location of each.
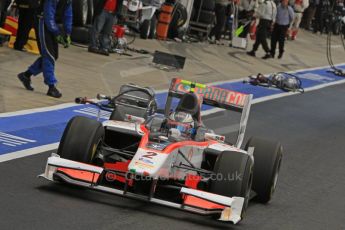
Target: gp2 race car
(169, 157)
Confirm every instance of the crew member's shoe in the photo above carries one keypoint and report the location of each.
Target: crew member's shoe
(103, 52)
(26, 81)
(211, 40)
(92, 50)
(251, 53)
(18, 48)
(280, 55)
(267, 56)
(98, 51)
(54, 92)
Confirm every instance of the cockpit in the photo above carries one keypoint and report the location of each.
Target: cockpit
(180, 124)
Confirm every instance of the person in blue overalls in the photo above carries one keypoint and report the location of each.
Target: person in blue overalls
(49, 36)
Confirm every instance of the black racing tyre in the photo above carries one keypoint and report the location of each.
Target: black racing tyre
(267, 161)
(180, 16)
(145, 29)
(90, 11)
(80, 140)
(207, 5)
(178, 20)
(206, 17)
(80, 35)
(80, 12)
(234, 176)
(153, 27)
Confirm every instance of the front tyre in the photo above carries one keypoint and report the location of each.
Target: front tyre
(234, 176)
(81, 139)
(267, 160)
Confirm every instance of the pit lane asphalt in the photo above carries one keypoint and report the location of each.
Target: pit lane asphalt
(310, 191)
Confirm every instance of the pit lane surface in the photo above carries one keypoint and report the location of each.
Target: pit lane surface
(310, 191)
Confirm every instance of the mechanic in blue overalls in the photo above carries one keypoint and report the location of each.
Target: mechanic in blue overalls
(49, 36)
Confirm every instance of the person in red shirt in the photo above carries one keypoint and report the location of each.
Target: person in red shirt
(105, 13)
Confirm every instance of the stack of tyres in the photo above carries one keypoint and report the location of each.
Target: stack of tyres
(179, 19)
(164, 20)
(203, 11)
(83, 15)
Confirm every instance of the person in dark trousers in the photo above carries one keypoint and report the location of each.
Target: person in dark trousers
(220, 10)
(100, 33)
(322, 7)
(266, 13)
(285, 15)
(4, 4)
(27, 11)
(308, 15)
(49, 37)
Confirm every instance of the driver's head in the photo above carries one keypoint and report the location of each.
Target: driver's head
(182, 121)
(190, 103)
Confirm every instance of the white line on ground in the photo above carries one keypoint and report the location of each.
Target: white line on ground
(11, 141)
(37, 110)
(28, 152)
(15, 137)
(49, 147)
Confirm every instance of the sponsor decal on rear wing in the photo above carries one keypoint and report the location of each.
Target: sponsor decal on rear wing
(211, 95)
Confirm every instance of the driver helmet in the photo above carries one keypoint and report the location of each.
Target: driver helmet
(182, 121)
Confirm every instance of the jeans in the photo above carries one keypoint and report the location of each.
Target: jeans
(101, 31)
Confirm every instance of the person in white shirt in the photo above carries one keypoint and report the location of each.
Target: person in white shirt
(266, 13)
(247, 9)
(299, 6)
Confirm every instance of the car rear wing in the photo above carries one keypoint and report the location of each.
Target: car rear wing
(216, 97)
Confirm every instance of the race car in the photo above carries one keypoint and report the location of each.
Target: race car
(171, 156)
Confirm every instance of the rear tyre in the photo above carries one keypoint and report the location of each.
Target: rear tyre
(80, 35)
(234, 173)
(145, 29)
(81, 139)
(178, 20)
(267, 157)
(80, 12)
